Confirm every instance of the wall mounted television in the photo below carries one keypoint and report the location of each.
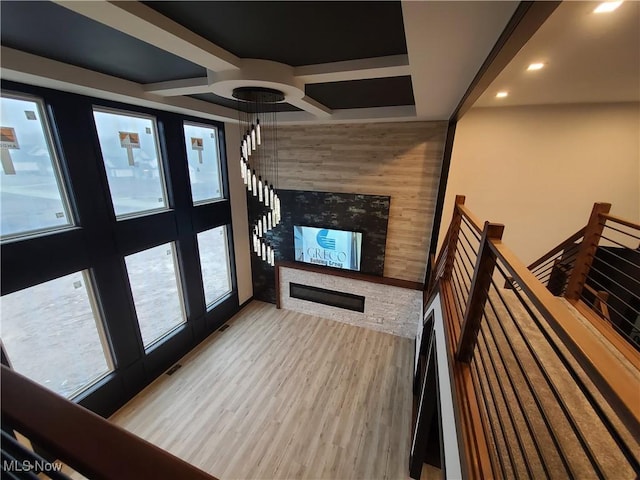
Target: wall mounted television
(324, 246)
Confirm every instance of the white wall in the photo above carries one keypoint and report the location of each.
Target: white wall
(238, 214)
(539, 169)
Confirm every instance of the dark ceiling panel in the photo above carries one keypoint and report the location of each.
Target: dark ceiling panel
(374, 92)
(295, 33)
(49, 30)
(225, 102)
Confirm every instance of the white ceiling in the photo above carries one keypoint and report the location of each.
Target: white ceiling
(589, 58)
(447, 43)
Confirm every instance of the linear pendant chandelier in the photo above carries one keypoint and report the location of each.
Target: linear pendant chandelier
(259, 161)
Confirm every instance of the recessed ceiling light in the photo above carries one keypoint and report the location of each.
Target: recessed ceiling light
(535, 66)
(501, 94)
(606, 7)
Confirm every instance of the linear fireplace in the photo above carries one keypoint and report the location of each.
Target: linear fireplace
(333, 298)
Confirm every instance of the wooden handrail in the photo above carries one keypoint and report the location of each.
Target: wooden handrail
(473, 220)
(452, 241)
(83, 440)
(443, 249)
(578, 235)
(433, 280)
(621, 388)
(608, 331)
(621, 221)
(562, 246)
(601, 361)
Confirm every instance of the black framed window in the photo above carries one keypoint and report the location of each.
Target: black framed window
(154, 278)
(203, 154)
(214, 263)
(132, 161)
(30, 170)
(59, 341)
(147, 238)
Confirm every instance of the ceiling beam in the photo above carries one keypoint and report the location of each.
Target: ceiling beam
(401, 113)
(144, 23)
(308, 104)
(24, 67)
(18, 66)
(175, 88)
(378, 67)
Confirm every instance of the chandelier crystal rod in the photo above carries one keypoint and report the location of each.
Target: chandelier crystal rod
(259, 161)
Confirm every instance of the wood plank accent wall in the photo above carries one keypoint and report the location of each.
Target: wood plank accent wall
(402, 160)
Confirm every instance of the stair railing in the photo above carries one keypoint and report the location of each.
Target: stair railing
(553, 268)
(608, 282)
(506, 395)
(79, 438)
(598, 271)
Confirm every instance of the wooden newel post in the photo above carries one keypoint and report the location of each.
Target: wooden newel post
(586, 251)
(479, 292)
(454, 231)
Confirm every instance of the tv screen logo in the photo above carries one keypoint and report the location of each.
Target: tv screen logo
(324, 246)
(324, 241)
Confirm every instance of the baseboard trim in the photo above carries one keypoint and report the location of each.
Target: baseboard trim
(247, 302)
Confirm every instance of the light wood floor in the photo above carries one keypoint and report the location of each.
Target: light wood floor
(280, 394)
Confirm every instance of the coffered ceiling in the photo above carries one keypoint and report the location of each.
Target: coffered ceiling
(335, 61)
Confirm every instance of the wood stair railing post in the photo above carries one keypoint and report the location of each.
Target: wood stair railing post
(586, 251)
(479, 292)
(454, 231)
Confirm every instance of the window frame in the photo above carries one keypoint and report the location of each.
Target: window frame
(100, 240)
(178, 277)
(211, 305)
(101, 334)
(98, 315)
(223, 192)
(166, 198)
(58, 171)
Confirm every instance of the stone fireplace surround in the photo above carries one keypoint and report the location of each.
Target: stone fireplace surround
(391, 306)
